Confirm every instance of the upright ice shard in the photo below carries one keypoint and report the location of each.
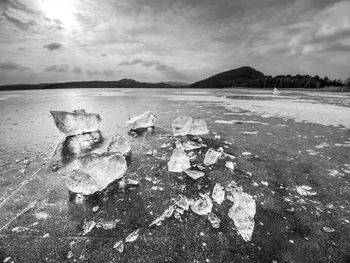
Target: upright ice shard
(119, 144)
(276, 91)
(76, 122)
(184, 125)
(242, 213)
(145, 120)
(179, 161)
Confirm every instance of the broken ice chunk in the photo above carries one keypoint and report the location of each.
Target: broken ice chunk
(81, 183)
(184, 125)
(119, 246)
(87, 227)
(276, 91)
(211, 157)
(218, 194)
(106, 224)
(119, 144)
(230, 165)
(76, 122)
(202, 206)
(179, 161)
(328, 229)
(167, 213)
(214, 220)
(194, 174)
(133, 236)
(305, 190)
(81, 143)
(184, 203)
(145, 120)
(242, 213)
(104, 169)
(191, 145)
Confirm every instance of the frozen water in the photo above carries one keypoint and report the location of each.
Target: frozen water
(191, 145)
(242, 213)
(87, 227)
(81, 143)
(211, 156)
(288, 107)
(194, 174)
(145, 120)
(119, 246)
(184, 203)
(214, 220)
(184, 125)
(218, 194)
(167, 213)
(81, 183)
(202, 206)
(276, 91)
(119, 144)
(96, 172)
(133, 236)
(76, 122)
(179, 161)
(305, 190)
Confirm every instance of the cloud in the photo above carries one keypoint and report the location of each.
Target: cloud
(105, 72)
(92, 72)
(58, 68)
(168, 71)
(53, 46)
(10, 65)
(77, 70)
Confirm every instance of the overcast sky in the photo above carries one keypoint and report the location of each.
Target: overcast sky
(161, 40)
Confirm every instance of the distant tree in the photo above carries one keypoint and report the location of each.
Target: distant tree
(347, 82)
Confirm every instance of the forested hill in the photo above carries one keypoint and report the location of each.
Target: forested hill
(249, 77)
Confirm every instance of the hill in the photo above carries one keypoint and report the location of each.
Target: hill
(234, 77)
(249, 77)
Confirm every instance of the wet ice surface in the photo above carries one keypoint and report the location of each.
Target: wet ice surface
(41, 220)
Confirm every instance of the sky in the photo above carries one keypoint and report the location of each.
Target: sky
(170, 40)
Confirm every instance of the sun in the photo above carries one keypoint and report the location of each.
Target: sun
(62, 10)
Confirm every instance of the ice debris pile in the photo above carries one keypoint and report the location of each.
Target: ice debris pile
(93, 172)
(90, 172)
(242, 211)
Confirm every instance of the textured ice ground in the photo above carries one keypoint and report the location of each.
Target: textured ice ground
(308, 110)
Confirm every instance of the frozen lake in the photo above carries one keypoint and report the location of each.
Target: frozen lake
(295, 138)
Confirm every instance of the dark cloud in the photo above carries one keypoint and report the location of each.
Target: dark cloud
(10, 65)
(53, 46)
(10, 10)
(77, 70)
(58, 68)
(103, 55)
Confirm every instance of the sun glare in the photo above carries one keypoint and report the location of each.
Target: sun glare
(59, 9)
